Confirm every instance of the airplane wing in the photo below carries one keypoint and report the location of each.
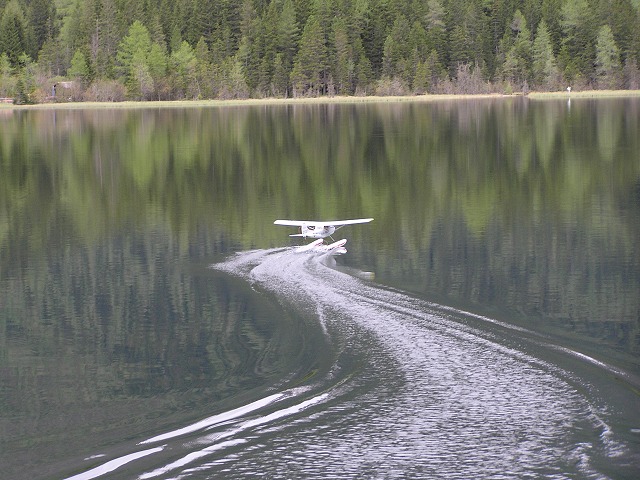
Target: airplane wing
(293, 223)
(335, 223)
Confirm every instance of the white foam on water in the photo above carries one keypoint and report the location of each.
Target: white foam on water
(416, 390)
(503, 410)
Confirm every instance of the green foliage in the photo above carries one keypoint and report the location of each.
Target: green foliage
(231, 80)
(157, 62)
(309, 70)
(288, 32)
(631, 74)
(459, 52)
(344, 66)
(323, 47)
(280, 80)
(42, 14)
(516, 68)
(436, 27)
(578, 25)
(5, 65)
(364, 74)
(204, 70)
(26, 80)
(183, 66)
(7, 80)
(137, 40)
(13, 32)
(396, 49)
(545, 70)
(105, 39)
(607, 59)
(79, 69)
(142, 63)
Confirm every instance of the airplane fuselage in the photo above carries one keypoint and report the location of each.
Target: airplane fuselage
(313, 231)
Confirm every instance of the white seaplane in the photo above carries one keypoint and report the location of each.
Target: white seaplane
(314, 229)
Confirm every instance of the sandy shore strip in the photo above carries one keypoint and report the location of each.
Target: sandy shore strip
(323, 100)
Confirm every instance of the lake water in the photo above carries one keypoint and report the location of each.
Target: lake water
(155, 324)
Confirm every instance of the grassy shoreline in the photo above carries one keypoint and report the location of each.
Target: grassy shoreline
(322, 100)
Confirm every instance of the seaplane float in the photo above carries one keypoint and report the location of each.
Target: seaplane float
(335, 248)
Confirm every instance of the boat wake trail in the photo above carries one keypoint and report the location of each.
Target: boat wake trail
(410, 390)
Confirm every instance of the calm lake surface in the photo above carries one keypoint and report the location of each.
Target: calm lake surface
(155, 324)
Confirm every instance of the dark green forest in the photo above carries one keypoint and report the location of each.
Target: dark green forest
(111, 50)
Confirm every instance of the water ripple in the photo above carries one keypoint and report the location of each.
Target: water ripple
(414, 390)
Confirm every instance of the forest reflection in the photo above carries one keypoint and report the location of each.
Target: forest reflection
(108, 218)
(524, 206)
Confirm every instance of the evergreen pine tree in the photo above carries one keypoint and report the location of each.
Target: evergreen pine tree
(288, 32)
(517, 65)
(204, 70)
(105, 39)
(42, 14)
(458, 48)
(396, 47)
(579, 37)
(255, 61)
(280, 80)
(308, 75)
(79, 69)
(157, 63)
(323, 45)
(551, 14)
(364, 75)
(344, 64)
(7, 80)
(607, 59)
(421, 78)
(436, 27)
(545, 70)
(13, 35)
(132, 60)
(183, 72)
(631, 74)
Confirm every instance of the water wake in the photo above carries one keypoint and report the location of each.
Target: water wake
(414, 390)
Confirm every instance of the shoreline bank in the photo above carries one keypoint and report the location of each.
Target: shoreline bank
(324, 100)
